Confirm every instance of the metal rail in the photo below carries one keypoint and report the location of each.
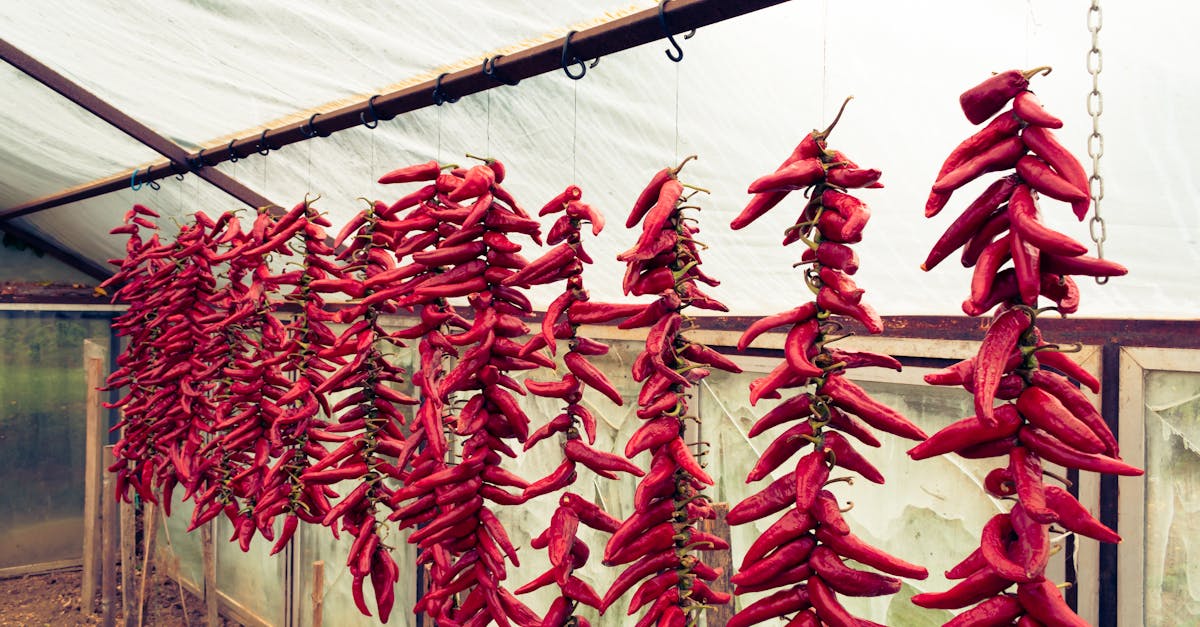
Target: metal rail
(178, 157)
(634, 30)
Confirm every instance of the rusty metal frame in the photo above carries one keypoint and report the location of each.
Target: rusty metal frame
(634, 30)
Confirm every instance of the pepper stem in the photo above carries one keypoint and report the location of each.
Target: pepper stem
(483, 159)
(1041, 69)
(829, 129)
(683, 163)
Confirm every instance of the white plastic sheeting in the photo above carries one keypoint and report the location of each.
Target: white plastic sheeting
(745, 93)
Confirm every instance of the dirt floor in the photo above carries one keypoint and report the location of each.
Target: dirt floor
(52, 599)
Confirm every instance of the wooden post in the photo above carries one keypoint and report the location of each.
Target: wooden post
(150, 531)
(719, 559)
(128, 561)
(209, 556)
(318, 592)
(95, 437)
(108, 552)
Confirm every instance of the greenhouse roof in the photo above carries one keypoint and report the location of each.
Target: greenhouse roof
(198, 75)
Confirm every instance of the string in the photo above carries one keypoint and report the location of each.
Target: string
(487, 146)
(824, 55)
(308, 165)
(439, 134)
(574, 128)
(677, 113)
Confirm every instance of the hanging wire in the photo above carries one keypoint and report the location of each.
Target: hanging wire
(1095, 106)
(676, 111)
(574, 131)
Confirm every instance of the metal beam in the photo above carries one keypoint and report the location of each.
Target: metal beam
(177, 155)
(606, 39)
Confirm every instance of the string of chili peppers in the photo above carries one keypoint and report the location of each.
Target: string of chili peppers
(137, 275)
(566, 551)
(803, 550)
(298, 422)
(237, 454)
(168, 409)
(465, 542)
(660, 541)
(1051, 419)
(370, 412)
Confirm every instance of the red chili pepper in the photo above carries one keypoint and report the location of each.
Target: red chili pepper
(998, 344)
(788, 527)
(795, 176)
(969, 565)
(1005, 125)
(1077, 404)
(1038, 174)
(427, 171)
(1043, 600)
(1027, 107)
(847, 177)
(851, 546)
(1043, 143)
(1054, 451)
(783, 558)
(772, 606)
(994, 612)
(811, 474)
(854, 399)
(979, 585)
(780, 449)
(1073, 516)
(828, 608)
(845, 580)
(794, 316)
(1082, 264)
(1001, 156)
(1025, 264)
(1026, 220)
(846, 457)
(1025, 470)
(1044, 411)
(985, 99)
(579, 452)
(993, 544)
(759, 205)
(967, 432)
(592, 376)
(774, 498)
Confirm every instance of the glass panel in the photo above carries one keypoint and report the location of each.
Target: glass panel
(42, 415)
(927, 513)
(1172, 579)
(180, 552)
(255, 580)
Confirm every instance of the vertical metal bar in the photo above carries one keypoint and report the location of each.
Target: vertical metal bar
(1110, 369)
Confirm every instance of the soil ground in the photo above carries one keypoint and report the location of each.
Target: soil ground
(53, 599)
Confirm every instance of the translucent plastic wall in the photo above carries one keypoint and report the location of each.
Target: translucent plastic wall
(42, 409)
(1172, 514)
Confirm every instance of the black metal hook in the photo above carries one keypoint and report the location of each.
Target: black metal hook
(677, 54)
(307, 130)
(178, 174)
(194, 164)
(233, 156)
(569, 58)
(371, 109)
(264, 147)
(489, 70)
(440, 97)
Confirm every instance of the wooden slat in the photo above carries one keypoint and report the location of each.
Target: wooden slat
(95, 437)
(723, 560)
(209, 557)
(318, 593)
(108, 553)
(150, 531)
(128, 562)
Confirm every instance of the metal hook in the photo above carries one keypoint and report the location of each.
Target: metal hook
(233, 157)
(568, 59)
(489, 70)
(677, 54)
(133, 184)
(178, 174)
(153, 184)
(264, 148)
(439, 96)
(362, 116)
(308, 131)
(194, 164)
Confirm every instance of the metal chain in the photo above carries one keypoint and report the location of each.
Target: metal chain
(1095, 106)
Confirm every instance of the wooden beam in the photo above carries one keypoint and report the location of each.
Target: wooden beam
(179, 161)
(609, 38)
